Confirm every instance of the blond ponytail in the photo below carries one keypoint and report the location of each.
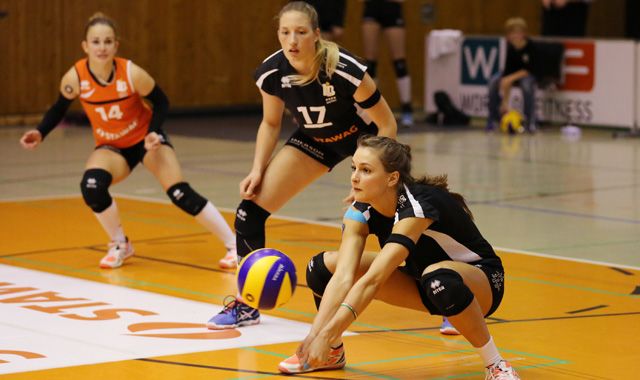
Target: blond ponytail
(326, 59)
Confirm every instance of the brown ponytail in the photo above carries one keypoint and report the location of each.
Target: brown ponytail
(100, 18)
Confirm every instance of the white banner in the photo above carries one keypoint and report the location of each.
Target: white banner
(50, 321)
(597, 86)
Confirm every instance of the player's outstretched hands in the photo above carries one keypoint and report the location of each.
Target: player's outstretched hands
(249, 185)
(31, 139)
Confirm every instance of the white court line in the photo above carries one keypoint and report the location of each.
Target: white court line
(584, 261)
(338, 225)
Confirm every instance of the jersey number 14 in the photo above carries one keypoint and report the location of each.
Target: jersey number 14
(114, 113)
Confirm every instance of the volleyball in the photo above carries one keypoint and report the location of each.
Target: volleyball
(266, 279)
(511, 123)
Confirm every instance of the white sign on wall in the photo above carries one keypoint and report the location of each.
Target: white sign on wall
(597, 86)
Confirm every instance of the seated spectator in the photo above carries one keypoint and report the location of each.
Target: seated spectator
(518, 71)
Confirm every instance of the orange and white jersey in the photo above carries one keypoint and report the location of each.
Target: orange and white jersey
(118, 115)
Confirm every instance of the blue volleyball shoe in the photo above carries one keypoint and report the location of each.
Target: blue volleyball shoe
(234, 314)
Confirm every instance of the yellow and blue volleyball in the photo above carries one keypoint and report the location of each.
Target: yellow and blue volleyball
(266, 279)
(511, 122)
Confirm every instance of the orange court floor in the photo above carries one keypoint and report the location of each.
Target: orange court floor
(62, 317)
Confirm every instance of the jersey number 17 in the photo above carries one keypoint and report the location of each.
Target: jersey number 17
(308, 121)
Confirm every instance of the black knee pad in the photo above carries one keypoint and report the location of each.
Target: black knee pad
(95, 189)
(183, 196)
(318, 276)
(447, 291)
(372, 67)
(400, 67)
(249, 225)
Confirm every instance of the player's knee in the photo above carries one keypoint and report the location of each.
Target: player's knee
(318, 275)
(187, 199)
(250, 218)
(95, 189)
(447, 291)
(249, 226)
(400, 68)
(372, 68)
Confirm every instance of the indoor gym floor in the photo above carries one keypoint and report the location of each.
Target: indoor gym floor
(564, 216)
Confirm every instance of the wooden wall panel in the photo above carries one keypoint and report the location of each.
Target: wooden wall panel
(203, 52)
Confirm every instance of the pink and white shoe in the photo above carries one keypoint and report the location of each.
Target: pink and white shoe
(336, 360)
(117, 254)
(501, 370)
(230, 260)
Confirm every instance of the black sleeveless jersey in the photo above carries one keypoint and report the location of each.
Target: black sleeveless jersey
(324, 109)
(451, 236)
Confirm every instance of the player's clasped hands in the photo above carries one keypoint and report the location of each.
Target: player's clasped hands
(303, 348)
(316, 352)
(31, 139)
(152, 141)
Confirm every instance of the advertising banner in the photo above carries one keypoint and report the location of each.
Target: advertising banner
(598, 84)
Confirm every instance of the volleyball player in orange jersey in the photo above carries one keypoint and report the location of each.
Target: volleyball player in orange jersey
(126, 131)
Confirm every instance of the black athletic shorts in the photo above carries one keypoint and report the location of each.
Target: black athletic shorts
(330, 154)
(135, 153)
(330, 13)
(495, 274)
(386, 13)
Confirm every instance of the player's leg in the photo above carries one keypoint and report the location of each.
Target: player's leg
(287, 174)
(370, 39)
(164, 165)
(396, 37)
(105, 167)
(463, 293)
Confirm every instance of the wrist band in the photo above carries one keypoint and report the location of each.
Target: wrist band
(355, 314)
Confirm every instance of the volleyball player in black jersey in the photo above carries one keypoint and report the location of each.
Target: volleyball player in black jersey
(319, 83)
(450, 269)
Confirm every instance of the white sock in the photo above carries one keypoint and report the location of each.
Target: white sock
(489, 353)
(110, 221)
(213, 221)
(404, 89)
